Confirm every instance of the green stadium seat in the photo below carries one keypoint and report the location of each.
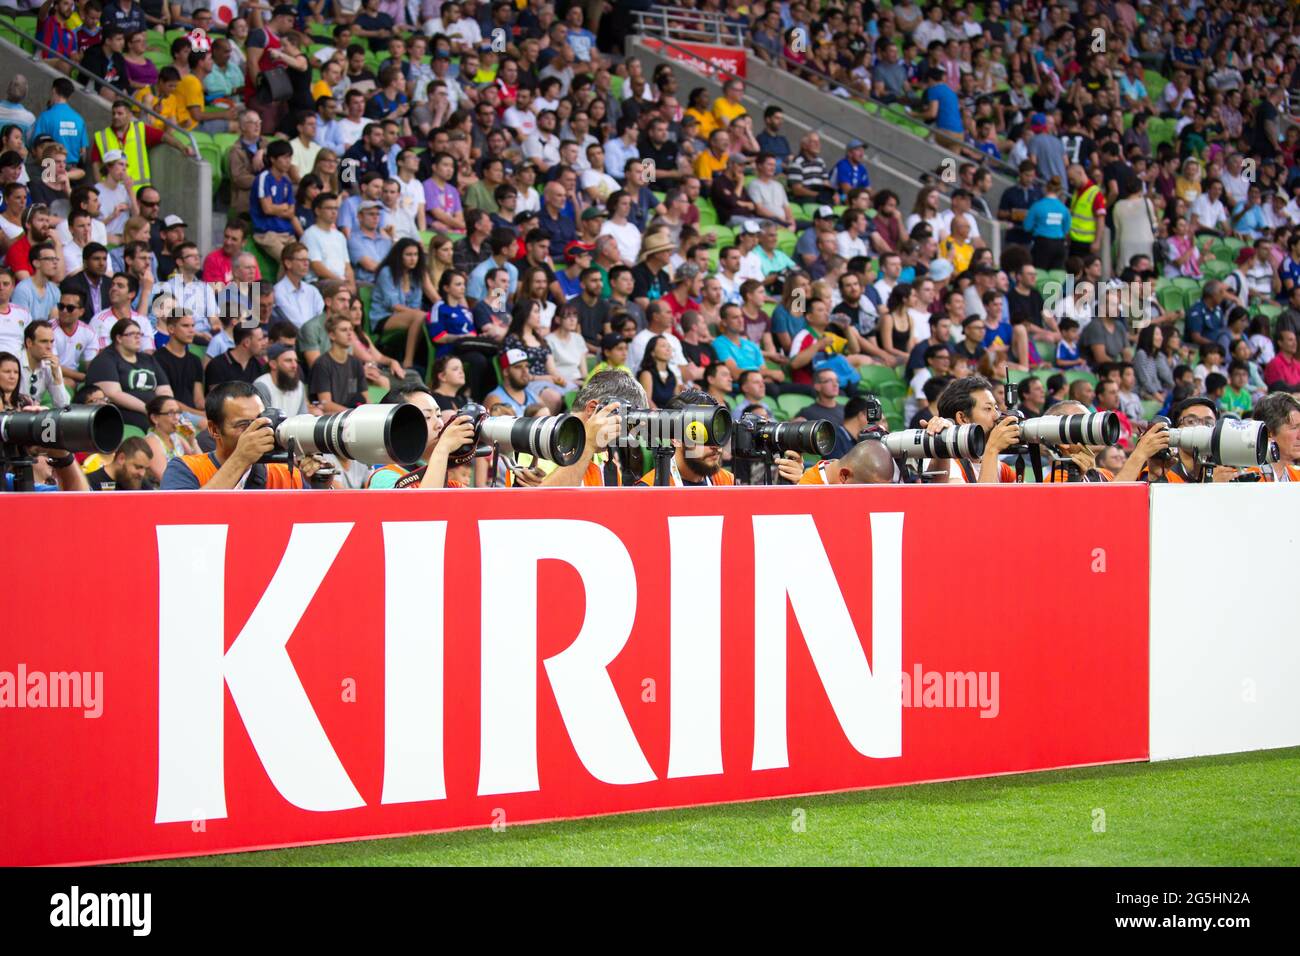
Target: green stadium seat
(1075, 375)
(1171, 298)
(786, 240)
(708, 215)
(1150, 409)
(791, 405)
(1217, 269)
(879, 379)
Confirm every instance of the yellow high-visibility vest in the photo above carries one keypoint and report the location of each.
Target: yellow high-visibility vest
(137, 153)
(1083, 224)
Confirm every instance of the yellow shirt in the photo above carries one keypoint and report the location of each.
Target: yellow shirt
(320, 88)
(726, 111)
(706, 164)
(173, 108)
(958, 253)
(707, 123)
(190, 92)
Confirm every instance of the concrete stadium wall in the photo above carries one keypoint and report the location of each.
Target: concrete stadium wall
(185, 183)
(874, 130)
(1225, 645)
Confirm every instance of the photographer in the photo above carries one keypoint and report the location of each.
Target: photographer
(1080, 460)
(432, 472)
(242, 436)
(968, 401)
(1280, 413)
(1184, 469)
(698, 465)
(597, 404)
(866, 463)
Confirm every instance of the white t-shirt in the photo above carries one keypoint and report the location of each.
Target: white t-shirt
(628, 237)
(1209, 214)
(849, 246)
(72, 259)
(98, 232)
(326, 246)
(11, 231)
(75, 351)
(529, 201)
(543, 147)
(13, 320)
(292, 402)
(568, 355)
(351, 130)
(604, 183)
(522, 120)
(102, 324)
(110, 199)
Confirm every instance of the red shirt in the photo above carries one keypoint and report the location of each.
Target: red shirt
(19, 256)
(217, 267)
(678, 308)
(1282, 369)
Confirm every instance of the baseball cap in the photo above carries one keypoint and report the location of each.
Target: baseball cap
(855, 144)
(751, 228)
(824, 212)
(523, 217)
(1038, 121)
(512, 357)
(594, 212)
(114, 156)
(940, 269)
(687, 271)
(575, 249)
(172, 221)
(370, 204)
(610, 339)
(276, 350)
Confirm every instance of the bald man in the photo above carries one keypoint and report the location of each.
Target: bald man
(867, 463)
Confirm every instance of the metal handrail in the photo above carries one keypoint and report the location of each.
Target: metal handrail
(997, 165)
(791, 107)
(921, 173)
(702, 26)
(194, 144)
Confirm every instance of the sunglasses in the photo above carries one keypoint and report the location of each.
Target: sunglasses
(69, 306)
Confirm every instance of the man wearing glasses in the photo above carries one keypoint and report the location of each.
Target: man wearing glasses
(40, 370)
(191, 293)
(297, 299)
(39, 292)
(74, 343)
(120, 293)
(1183, 468)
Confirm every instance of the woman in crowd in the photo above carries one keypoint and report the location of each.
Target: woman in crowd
(398, 297)
(449, 383)
(569, 347)
(656, 375)
(525, 334)
(164, 436)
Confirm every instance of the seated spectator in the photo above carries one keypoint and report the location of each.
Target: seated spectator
(170, 435)
(129, 377)
(128, 470)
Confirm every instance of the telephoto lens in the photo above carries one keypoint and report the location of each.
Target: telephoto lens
(88, 428)
(693, 425)
(557, 438)
(757, 437)
(372, 434)
(1093, 428)
(1229, 441)
(955, 441)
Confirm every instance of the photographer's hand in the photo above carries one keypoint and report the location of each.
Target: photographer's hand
(936, 425)
(1005, 434)
(458, 433)
(790, 467)
(257, 440)
(1153, 441)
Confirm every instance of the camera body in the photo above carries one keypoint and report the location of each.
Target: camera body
(759, 439)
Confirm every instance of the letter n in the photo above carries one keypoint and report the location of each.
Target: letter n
(193, 671)
(789, 560)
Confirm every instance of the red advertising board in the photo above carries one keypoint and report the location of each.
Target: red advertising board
(703, 57)
(212, 672)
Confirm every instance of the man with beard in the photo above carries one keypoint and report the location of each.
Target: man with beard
(280, 386)
(37, 222)
(127, 470)
(698, 464)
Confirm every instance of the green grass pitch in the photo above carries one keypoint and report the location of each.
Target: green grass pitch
(1234, 810)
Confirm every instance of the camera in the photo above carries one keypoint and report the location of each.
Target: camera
(557, 438)
(659, 428)
(89, 428)
(1229, 441)
(955, 441)
(760, 438)
(371, 434)
(1092, 428)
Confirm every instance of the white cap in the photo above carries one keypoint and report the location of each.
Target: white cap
(114, 156)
